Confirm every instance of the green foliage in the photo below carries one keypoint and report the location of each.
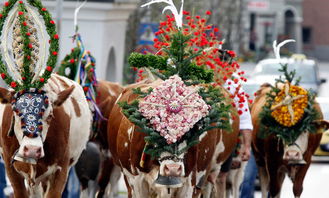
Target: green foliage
(53, 48)
(177, 61)
(218, 118)
(288, 134)
(68, 63)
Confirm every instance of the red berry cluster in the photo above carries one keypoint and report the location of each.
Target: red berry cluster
(204, 40)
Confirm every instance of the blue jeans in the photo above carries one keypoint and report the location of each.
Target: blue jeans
(3, 183)
(248, 185)
(72, 188)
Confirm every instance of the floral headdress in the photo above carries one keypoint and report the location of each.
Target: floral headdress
(288, 111)
(24, 42)
(27, 30)
(188, 103)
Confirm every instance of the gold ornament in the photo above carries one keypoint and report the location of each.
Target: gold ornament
(289, 105)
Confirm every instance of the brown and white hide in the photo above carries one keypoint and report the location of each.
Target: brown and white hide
(108, 175)
(235, 177)
(275, 160)
(126, 144)
(66, 129)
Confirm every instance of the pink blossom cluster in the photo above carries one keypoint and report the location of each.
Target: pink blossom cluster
(173, 108)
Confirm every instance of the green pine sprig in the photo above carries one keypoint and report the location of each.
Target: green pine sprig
(288, 134)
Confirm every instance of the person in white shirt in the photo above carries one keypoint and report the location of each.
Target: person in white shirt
(234, 87)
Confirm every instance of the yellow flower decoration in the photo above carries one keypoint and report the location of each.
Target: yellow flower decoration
(289, 105)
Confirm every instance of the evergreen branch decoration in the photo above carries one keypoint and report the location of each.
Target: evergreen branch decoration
(289, 134)
(177, 62)
(218, 118)
(27, 73)
(69, 65)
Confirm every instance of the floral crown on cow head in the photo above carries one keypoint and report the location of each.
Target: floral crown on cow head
(27, 31)
(190, 101)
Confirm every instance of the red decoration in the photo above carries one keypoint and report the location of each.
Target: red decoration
(24, 23)
(13, 84)
(72, 61)
(23, 78)
(20, 13)
(42, 80)
(30, 45)
(3, 75)
(20, 2)
(28, 34)
(7, 3)
(1, 15)
(44, 9)
(208, 12)
(52, 22)
(85, 89)
(56, 36)
(48, 68)
(55, 53)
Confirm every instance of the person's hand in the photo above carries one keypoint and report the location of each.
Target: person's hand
(246, 148)
(245, 153)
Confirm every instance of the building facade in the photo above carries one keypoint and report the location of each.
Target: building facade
(316, 29)
(102, 25)
(269, 20)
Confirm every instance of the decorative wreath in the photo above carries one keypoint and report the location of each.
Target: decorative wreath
(189, 101)
(25, 72)
(289, 105)
(288, 112)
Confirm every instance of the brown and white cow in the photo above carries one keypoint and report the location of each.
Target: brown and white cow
(42, 162)
(191, 169)
(275, 159)
(108, 175)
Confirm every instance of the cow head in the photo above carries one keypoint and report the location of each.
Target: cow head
(33, 113)
(294, 152)
(171, 168)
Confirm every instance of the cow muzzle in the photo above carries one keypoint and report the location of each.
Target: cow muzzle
(173, 170)
(30, 151)
(294, 157)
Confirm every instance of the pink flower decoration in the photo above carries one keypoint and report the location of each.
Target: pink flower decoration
(173, 108)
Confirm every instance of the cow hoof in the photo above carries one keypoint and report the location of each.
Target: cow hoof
(168, 182)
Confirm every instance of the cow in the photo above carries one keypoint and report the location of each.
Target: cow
(37, 166)
(235, 177)
(183, 176)
(101, 169)
(274, 159)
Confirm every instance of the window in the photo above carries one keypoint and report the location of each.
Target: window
(307, 35)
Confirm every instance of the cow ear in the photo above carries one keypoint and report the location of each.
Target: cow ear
(6, 96)
(62, 96)
(321, 124)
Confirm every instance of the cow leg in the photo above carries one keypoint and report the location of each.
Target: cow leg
(128, 187)
(276, 177)
(57, 183)
(299, 179)
(104, 176)
(264, 180)
(114, 179)
(16, 181)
